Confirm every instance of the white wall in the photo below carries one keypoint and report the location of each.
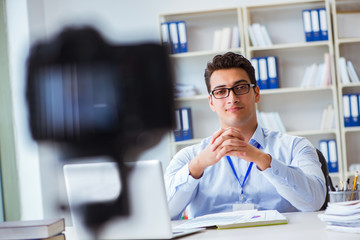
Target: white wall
(121, 21)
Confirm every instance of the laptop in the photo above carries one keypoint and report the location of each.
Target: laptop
(99, 181)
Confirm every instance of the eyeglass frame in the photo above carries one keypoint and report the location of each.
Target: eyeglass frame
(250, 85)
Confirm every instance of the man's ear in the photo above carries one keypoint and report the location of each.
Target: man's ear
(257, 94)
(211, 104)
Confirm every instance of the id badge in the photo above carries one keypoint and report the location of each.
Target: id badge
(243, 206)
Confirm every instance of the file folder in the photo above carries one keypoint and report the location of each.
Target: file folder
(346, 110)
(333, 159)
(187, 131)
(165, 37)
(315, 24)
(354, 110)
(307, 25)
(182, 36)
(324, 149)
(174, 37)
(178, 130)
(323, 24)
(263, 72)
(255, 64)
(273, 72)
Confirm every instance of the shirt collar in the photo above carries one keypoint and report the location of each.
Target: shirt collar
(258, 137)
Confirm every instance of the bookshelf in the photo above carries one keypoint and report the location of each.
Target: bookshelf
(300, 108)
(345, 13)
(189, 66)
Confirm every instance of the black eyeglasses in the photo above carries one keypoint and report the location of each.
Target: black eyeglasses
(240, 89)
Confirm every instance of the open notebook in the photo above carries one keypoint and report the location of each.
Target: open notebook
(149, 219)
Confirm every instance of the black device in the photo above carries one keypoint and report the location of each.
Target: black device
(95, 98)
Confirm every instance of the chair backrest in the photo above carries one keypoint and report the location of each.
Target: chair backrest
(325, 170)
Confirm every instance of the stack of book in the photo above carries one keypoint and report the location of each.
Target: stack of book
(174, 36)
(271, 121)
(342, 216)
(315, 24)
(318, 75)
(47, 229)
(184, 129)
(327, 118)
(266, 72)
(328, 149)
(259, 35)
(348, 72)
(226, 38)
(184, 90)
(351, 109)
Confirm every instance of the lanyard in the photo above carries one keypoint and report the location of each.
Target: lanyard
(246, 175)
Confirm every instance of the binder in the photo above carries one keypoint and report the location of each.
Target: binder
(255, 64)
(315, 24)
(187, 131)
(346, 110)
(273, 72)
(174, 37)
(178, 130)
(165, 37)
(263, 72)
(307, 25)
(324, 149)
(333, 159)
(235, 37)
(323, 24)
(343, 71)
(182, 36)
(354, 110)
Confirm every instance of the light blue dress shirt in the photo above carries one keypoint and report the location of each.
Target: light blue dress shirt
(294, 182)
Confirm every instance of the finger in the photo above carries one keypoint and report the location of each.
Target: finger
(216, 135)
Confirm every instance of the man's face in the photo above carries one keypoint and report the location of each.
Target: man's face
(234, 110)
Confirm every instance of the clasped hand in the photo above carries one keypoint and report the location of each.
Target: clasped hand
(228, 142)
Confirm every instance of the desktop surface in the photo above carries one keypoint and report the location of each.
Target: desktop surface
(301, 226)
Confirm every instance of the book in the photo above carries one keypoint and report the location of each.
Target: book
(60, 236)
(307, 25)
(236, 219)
(31, 229)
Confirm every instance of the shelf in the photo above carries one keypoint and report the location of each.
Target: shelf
(291, 46)
(312, 132)
(349, 40)
(192, 98)
(294, 90)
(204, 53)
(351, 129)
(187, 142)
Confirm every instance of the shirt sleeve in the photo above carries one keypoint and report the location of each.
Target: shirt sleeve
(180, 185)
(301, 182)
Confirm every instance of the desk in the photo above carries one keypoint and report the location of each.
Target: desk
(301, 226)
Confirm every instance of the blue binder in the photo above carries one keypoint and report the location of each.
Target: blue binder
(273, 78)
(165, 37)
(333, 158)
(187, 130)
(307, 25)
(182, 36)
(354, 110)
(178, 130)
(346, 110)
(315, 24)
(174, 37)
(324, 149)
(255, 64)
(323, 24)
(263, 72)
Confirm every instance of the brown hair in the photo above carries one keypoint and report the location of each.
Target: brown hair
(227, 61)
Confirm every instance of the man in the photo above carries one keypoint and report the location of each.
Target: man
(242, 164)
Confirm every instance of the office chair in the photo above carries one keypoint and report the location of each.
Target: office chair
(325, 170)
